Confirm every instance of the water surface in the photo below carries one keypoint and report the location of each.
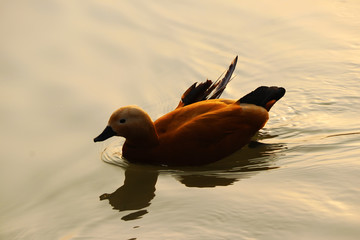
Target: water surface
(65, 66)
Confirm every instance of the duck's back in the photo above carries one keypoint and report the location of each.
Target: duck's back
(206, 131)
(176, 119)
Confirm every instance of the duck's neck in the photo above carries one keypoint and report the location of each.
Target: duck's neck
(138, 149)
(145, 136)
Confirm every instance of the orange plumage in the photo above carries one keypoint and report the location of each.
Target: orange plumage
(200, 130)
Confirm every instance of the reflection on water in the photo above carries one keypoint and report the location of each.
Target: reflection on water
(140, 180)
(136, 192)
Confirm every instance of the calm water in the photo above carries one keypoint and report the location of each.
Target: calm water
(65, 66)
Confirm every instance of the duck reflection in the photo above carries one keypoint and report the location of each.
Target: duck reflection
(136, 193)
(243, 164)
(139, 189)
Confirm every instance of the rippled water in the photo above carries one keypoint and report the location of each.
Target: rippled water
(65, 66)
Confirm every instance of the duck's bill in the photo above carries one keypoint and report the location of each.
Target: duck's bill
(107, 133)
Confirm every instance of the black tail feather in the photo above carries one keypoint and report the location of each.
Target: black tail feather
(262, 96)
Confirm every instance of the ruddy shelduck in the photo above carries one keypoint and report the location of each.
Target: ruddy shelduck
(202, 129)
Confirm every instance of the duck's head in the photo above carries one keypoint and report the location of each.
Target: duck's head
(130, 122)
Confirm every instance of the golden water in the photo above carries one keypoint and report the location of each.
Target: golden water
(65, 66)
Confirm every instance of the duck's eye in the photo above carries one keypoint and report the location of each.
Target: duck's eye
(123, 120)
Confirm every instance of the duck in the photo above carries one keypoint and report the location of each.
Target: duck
(202, 129)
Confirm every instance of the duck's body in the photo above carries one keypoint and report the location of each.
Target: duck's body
(197, 131)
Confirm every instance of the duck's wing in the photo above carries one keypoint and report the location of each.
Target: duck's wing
(208, 89)
(215, 134)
